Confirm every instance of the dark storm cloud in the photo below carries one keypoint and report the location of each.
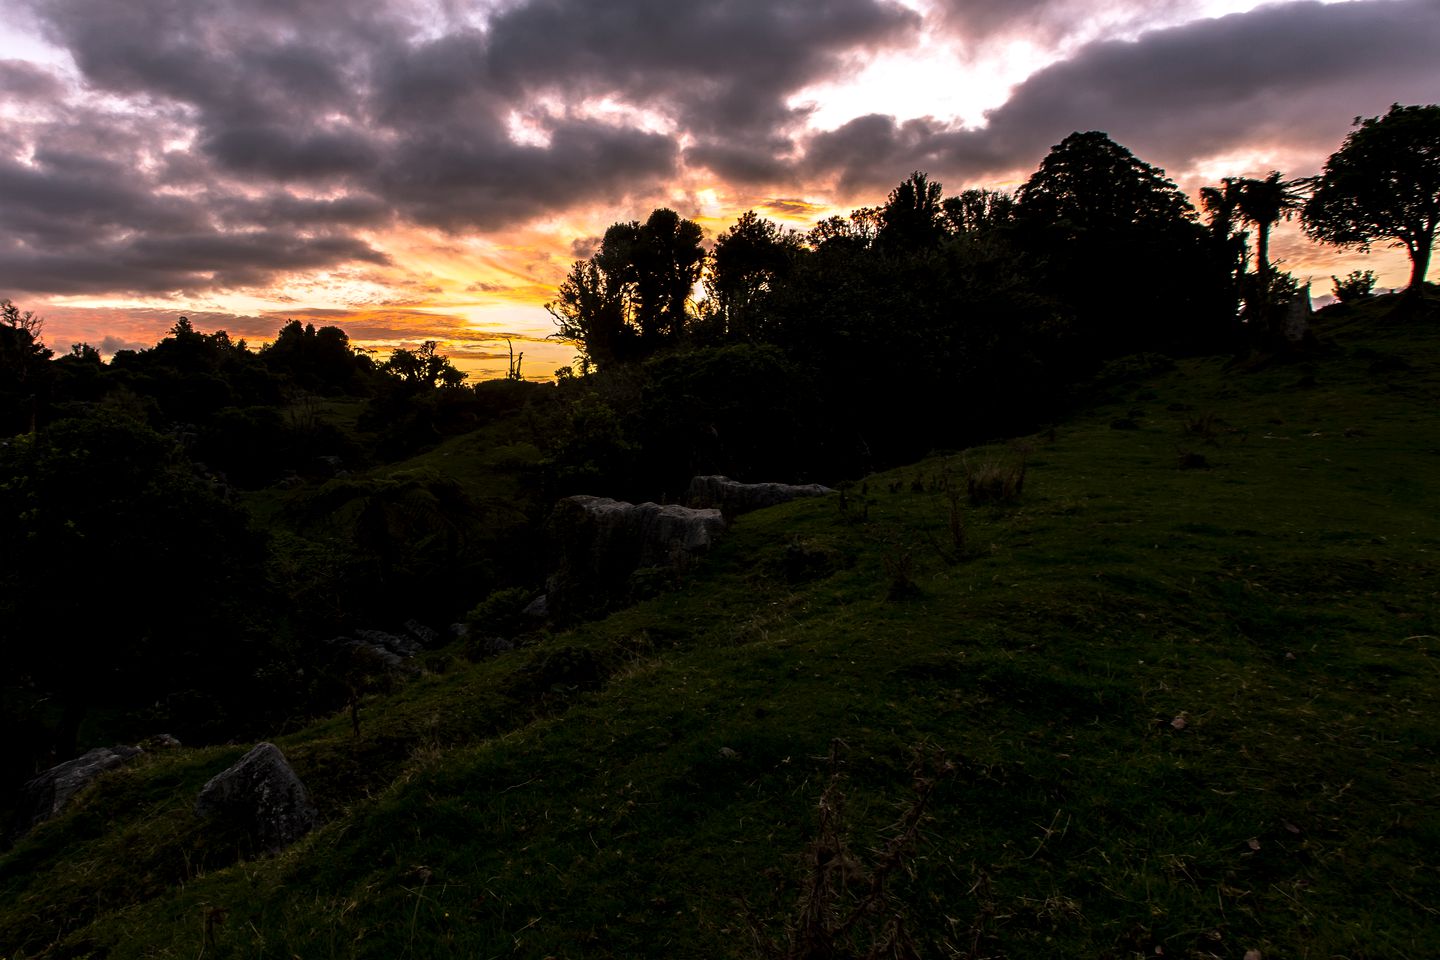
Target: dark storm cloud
(975, 22)
(723, 67)
(174, 262)
(288, 155)
(65, 199)
(225, 142)
(720, 72)
(1288, 73)
(334, 115)
(21, 81)
(1291, 75)
(456, 179)
(285, 209)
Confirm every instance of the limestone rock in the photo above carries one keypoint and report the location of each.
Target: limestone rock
(537, 609)
(262, 797)
(1297, 318)
(51, 792)
(422, 634)
(603, 541)
(734, 498)
(400, 646)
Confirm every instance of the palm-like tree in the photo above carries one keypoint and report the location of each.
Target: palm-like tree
(1263, 203)
(1222, 203)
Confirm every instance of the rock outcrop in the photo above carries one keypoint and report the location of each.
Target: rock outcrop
(1296, 325)
(48, 794)
(603, 541)
(733, 498)
(261, 797)
(375, 651)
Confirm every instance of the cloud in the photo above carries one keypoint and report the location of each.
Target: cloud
(172, 263)
(111, 345)
(1291, 74)
(22, 81)
(1049, 22)
(792, 207)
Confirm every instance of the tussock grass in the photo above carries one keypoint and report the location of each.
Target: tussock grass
(1194, 710)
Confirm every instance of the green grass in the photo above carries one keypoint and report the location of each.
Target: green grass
(1192, 713)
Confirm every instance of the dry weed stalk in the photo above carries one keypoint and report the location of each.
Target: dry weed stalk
(845, 902)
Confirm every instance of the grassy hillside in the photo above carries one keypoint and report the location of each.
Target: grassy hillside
(1176, 698)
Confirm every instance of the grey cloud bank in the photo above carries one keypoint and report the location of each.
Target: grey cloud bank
(219, 146)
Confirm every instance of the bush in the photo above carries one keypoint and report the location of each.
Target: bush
(1358, 285)
(502, 614)
(995, 481)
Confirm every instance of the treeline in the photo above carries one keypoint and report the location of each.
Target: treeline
(934, 321)
(928, 321)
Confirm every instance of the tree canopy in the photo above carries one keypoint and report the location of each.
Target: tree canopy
(1383, 184)
(1122, 249)
(632, 296)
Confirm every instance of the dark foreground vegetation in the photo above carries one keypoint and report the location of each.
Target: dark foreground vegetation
(1155, 678)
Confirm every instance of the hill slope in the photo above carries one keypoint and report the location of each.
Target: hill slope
(1184, 686)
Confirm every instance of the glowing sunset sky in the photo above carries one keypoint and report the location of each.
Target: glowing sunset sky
(428, 169)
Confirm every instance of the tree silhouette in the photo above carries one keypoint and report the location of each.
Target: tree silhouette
(589, 310)
(423, 367)
(633, 295)
(748, 260)
(976, 211)
(911, 217)
(319, 360)
(1122, 248)
(23, 368)
(1222, 203)
(1263, 203)
(1383, 184)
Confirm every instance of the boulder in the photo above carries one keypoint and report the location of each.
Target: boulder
(422, 634)
(368, 653)
(262, 797)
(603, 541)
(400, 646)
(51, 792)
(537, 609)
(734, 498)
(1296, 325)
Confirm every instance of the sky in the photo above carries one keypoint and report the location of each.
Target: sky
(430, 169)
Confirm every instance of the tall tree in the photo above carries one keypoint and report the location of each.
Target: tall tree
(24, 370)
(423, 367)
(748, 260)
(976, 211)
(911, 217)
(1089, 181)
(636, 288)
(589, 310)
(1263, 203)
(1122, 249)
(666, 260)
(1222, 204)
(1383, 184)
